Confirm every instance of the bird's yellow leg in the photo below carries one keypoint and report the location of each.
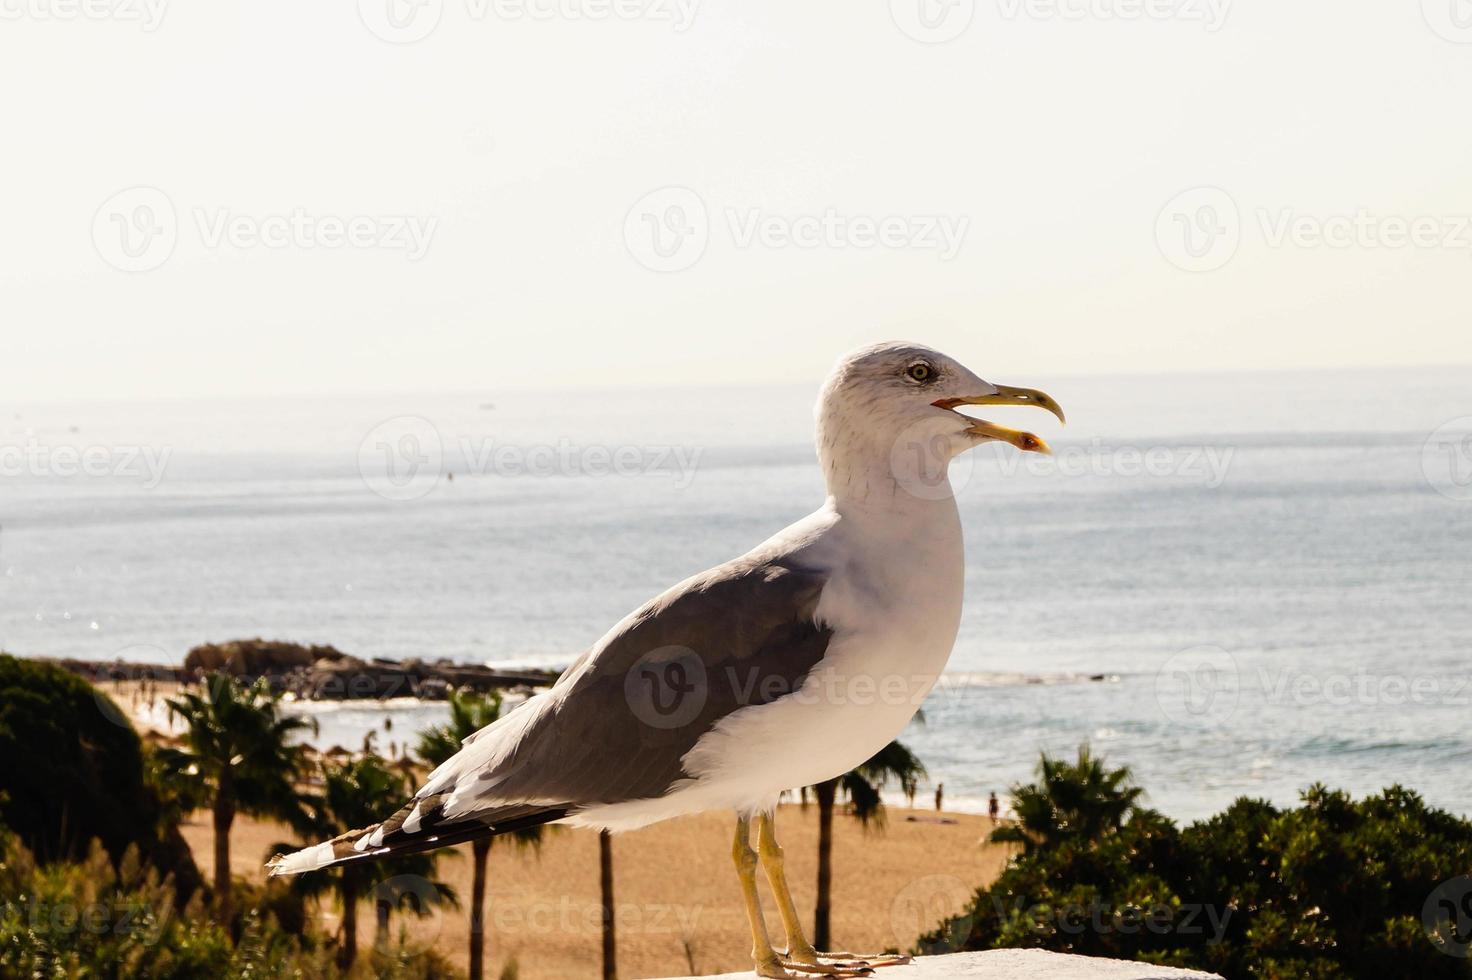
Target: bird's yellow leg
(800, 952)
(762, 953)
(768, 963)
(798, 947)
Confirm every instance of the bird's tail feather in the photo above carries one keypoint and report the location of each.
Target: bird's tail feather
(424, 832)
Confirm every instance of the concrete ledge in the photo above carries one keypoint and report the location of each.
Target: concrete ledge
(1020, 964)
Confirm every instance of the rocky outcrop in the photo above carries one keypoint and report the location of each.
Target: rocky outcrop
(256, 658)
(350, 678)
(320, 672)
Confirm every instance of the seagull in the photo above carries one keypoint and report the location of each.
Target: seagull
(785, 667)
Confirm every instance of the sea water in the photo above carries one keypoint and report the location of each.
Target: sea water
(1234, 584)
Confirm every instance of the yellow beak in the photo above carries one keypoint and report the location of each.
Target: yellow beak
(1025, 441)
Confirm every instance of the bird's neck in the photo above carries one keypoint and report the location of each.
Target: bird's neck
(905, 548)
(904, 491)
(895, 474)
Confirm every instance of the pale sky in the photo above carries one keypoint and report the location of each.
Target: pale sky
(723, 192)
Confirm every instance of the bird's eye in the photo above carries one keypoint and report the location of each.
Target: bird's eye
(920, 372)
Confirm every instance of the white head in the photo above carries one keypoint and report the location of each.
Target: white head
(891, 407)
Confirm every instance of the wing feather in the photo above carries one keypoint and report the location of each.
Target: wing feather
(618, 723)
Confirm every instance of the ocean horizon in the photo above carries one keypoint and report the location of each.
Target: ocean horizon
(1236, 584)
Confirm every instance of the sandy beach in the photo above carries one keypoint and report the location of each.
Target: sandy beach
(678, 906)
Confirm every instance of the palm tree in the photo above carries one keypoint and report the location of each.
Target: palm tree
(469, 713)
(862, 786)
(1079, 800)
(605, 887)
(353, 795)
(237, 757)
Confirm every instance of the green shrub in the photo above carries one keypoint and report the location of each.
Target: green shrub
(97, 919)
(1333, 888)
(72, 770)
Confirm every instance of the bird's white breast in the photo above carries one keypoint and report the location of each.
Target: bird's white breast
(894, 605)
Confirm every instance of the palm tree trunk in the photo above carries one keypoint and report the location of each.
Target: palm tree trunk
(381, 910)
(605, 884)
(826, 793)
(349, 951)
(224, 816)
(480, 850)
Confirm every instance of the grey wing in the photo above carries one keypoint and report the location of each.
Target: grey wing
(617, 724)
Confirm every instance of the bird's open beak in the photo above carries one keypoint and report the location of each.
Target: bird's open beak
(1004, 395)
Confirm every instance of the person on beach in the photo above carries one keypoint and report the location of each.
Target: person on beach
(940, 792)
(993, 807)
